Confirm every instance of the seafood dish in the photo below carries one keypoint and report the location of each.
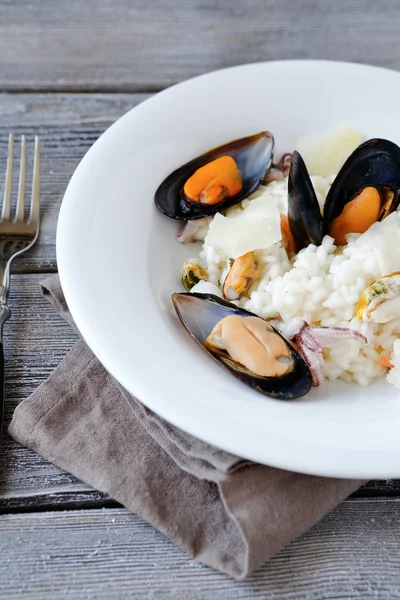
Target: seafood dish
(295, 274)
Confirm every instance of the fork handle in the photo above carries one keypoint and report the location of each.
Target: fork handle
(5, 314)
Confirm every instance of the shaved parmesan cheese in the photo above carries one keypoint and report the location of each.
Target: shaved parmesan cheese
(383, 238)
(325, 153)
(255, 228)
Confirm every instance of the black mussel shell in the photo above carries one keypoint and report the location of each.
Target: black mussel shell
(253, 156)
(199, 313)
(304, 214)
(376, 163)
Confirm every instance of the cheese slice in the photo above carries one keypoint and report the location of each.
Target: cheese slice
(325, 153)
(383, 238)
(255, 228)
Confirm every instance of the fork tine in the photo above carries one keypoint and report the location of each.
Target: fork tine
(35, 204)
(19, 217)
(8, 184)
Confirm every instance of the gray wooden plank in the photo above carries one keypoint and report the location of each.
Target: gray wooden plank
(36, 340)
(354, 552)
(68, 125)
(140, 45)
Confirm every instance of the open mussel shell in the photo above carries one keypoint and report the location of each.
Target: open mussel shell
(199, 314)
(376, 163)
(304, 213)
(253, 156)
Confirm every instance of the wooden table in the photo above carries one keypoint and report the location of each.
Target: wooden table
(68, 70)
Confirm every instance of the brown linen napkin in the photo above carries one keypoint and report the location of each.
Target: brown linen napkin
(228, 513)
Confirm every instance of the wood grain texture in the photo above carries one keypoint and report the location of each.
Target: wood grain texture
(103, 45)
(105, 552)
(354, 552)
(36, 340)
(68, 126)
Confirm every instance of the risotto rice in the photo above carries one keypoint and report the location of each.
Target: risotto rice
(320, 285)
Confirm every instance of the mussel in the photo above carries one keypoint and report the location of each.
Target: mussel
(365, 190)
(217, 179)
(238, 339)
(244, 271)
(304, 213)
(193, 272)
(380, 301)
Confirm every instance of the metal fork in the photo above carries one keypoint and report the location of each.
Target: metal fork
(16, 235)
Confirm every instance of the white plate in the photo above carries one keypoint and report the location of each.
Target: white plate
(119, 263)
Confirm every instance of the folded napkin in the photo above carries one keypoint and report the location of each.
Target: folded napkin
(226, 512)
